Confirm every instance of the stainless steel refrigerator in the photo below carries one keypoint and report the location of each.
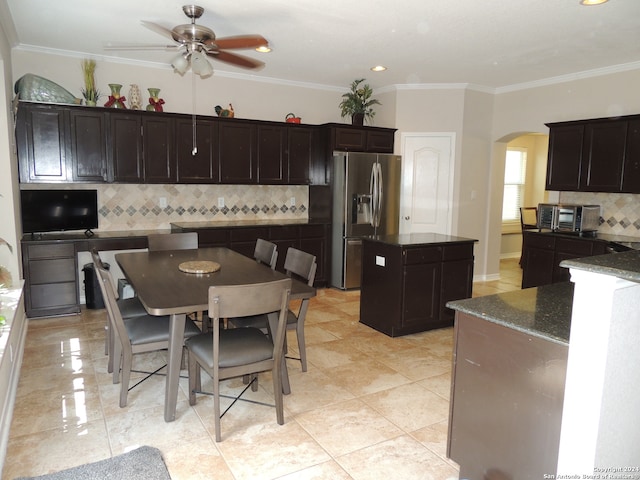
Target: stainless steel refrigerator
(366, 201)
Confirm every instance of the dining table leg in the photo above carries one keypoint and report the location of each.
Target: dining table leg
(176, 342)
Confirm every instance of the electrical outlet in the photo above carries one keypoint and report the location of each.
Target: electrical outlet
(220, 202)
(292, 202)
(163, 202)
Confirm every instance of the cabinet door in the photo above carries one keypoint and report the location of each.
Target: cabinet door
(41, 139)
(421, 295)
(537, 267)
(380, 141)
(236, 151)
(349, 139)
(157, 146)
(88, 145)
(203, 166)
(631, 174)
(456, 283)
(565, 154)
(125, 147)
(300, 151)
(603, 157)
(272, 154)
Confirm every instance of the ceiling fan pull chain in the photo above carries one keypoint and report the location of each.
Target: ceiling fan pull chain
(193, 114)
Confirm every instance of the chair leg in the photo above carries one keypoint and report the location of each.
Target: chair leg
(194, 377)
(216, 407)
(127, 360)
(276, 373)
(301, 345)
(117, 360)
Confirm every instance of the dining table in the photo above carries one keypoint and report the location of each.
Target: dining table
(165, 289)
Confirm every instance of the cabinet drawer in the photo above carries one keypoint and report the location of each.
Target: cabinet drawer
(213, 237)
(51, 271)
(51, 250)
(414, 256)
(540, 241)
(312, 231)
(457, 252)
(53, 295)
(248, 234)
(282, 233)
(576, 247)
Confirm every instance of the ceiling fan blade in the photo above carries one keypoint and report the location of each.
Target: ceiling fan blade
(164, 31)
(235, 59)
(239, 41)
(115, 46)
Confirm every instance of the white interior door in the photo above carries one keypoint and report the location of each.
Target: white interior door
(427, 182)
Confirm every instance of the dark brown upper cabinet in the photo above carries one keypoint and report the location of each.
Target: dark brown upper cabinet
(125, 146)
(88, 145)
(159, 162)
(284, 154)
(361, 139)
(237, 152)
(201, 165)
(41, 139)
(600, 155)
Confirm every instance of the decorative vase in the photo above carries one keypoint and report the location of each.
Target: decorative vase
(90, 103)
(115, 99)
(135, 97)
(155, 103)
(357, 119)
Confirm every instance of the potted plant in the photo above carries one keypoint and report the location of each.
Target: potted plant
(89, 92)
(357, 103)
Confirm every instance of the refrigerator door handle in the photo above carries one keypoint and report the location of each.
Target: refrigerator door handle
(373, 192)
(380, 194)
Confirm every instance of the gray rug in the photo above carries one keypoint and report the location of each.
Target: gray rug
(144, 463)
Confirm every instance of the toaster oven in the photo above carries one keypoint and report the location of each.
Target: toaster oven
(568, 218)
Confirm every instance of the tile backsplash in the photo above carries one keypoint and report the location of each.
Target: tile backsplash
(148, 207)
(620, 211)
(123, 207)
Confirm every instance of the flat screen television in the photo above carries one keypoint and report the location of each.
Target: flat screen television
(59, 210)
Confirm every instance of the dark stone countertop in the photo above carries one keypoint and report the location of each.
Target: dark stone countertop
(246, 223)
(544, 312)
(417, 239)
(624, 240)
(625, 265)
(97, 235)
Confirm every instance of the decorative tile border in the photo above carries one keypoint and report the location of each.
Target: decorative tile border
(620, 211)
(123, 207)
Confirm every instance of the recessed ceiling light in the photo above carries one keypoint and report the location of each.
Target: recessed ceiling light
(263, 49)
(378, 68)
(592, 2)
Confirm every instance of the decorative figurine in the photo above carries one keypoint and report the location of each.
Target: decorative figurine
(224, 112)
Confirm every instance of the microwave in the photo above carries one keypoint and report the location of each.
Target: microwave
(568, 218)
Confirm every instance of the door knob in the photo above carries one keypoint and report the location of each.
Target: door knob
(407, 217)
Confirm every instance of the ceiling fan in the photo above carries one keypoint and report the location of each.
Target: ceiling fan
(197, 42)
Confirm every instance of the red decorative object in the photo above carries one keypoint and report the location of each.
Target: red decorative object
(156, 103)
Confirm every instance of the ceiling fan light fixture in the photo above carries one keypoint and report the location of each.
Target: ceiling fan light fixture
(180, 63)
(200, 65)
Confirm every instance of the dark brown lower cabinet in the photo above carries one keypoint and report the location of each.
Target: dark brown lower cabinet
(405, 288)
(542, 253)
(50, 279)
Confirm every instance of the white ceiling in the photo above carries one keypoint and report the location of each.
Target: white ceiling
(496, 44)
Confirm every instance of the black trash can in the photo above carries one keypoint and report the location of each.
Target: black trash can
(92, 292)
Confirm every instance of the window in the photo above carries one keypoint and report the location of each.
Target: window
(514, 176)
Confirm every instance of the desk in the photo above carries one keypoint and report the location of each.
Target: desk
(164, 290)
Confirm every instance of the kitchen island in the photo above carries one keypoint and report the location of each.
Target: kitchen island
(544, 383)
(509, 367)
(408, 279)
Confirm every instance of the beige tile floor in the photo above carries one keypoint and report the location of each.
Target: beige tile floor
(369, 407)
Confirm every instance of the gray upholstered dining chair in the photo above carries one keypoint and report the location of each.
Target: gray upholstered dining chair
(240, 352)
(172, 241)
(145, 333)
(129, 307)
(300, 266)
(266, 253)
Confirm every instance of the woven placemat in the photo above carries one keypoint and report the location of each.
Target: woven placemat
(199, 266)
